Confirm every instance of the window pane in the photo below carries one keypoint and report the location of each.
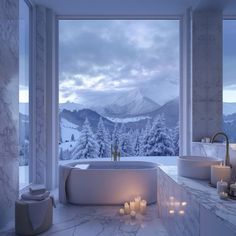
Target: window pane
(118, 88)
(24, 94)
(229, 78)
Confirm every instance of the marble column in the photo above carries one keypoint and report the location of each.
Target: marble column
(45, 98)
(9, 111)
(206, 73)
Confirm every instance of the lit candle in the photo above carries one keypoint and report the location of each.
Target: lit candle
(181, 212)
(133, 214)
(219, 172)
(122, 211)
(222, 186)
(233, 189)
(126, 207)
(132, 205)
(143, 206)
(137, 203)
(223, 195)
(171, 212)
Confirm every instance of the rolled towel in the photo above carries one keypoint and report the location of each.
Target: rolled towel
(39, 197)
(37, 189)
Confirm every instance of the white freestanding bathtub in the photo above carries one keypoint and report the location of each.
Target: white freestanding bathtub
(107, 182)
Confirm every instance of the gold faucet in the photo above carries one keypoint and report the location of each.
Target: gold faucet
(227, 159)
(115, 153)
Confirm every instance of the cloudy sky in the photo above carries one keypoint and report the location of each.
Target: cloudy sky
(229, 65)
(99, 58)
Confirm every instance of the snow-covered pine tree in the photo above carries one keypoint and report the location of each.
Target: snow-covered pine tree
(72, 138)
(137, 146)
(144, 139)
(159, 142)
(175, 139)
(104, 149)
(86, 146)
(116, 136)
(125, 142)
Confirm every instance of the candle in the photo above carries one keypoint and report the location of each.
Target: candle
(233, 189)
(223, 195)
(122, 211)
(143, 206)
(219, 172)
(222, 186)
(126, 208)
(132, 205)
(137, 203)
(133, 214)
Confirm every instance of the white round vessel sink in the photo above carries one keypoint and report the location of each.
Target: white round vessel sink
(196, 167)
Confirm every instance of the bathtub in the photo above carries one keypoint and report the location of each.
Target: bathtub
(107, 182)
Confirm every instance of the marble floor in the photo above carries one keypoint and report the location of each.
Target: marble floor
(71, 220)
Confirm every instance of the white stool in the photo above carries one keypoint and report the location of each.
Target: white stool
(33, 217)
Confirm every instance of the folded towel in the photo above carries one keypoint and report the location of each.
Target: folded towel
(82, 166)
(40, 197)
(37, 189)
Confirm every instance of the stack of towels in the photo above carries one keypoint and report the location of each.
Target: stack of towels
(36, 192)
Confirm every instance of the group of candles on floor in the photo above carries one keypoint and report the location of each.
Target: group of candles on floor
(132, 208)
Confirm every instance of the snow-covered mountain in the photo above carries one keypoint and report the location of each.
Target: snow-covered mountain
(70, 106)
(229, 108)
(133, 103)
(126, 104)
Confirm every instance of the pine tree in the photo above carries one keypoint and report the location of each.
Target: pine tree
(159, 141)
(144, 139)
(87, 146)
(102, 140)
(175, 139)
(116, 136)
(137, 147)
(125, 142)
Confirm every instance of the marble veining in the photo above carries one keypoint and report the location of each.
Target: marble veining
(75, 220)
(198, 193)
(40, 92)
(9, 83)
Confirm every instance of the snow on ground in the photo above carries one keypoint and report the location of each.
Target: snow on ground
(67, 129)
(23, 176)
(67, 145)
(129, 119)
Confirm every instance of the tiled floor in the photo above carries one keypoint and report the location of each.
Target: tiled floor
(102, 220)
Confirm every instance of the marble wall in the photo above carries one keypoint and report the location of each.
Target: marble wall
(206, 73)
(9, 83)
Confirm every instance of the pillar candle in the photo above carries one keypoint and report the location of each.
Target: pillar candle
(137, 203)
(132, 205)
(126, 208)
(133, 214)
(220, 172)
(143, 206)
(222, 186)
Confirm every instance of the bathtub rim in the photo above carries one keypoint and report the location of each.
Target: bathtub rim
(152, 165)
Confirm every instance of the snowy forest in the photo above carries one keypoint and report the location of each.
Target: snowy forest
(155, 139)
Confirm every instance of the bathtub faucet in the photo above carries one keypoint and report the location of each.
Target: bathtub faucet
(227, 159)
(115, 153)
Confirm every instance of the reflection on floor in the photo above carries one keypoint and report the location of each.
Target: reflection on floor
(102, 220)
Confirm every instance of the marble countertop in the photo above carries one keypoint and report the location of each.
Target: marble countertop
(206, 196)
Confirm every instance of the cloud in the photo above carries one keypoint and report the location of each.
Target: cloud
(118, 55)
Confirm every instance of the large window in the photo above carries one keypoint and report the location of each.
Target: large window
(118, 87)
(229, 78)
(24, 94)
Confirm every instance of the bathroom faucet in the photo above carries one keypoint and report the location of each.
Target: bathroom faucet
(115, 154)
(227, 159)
